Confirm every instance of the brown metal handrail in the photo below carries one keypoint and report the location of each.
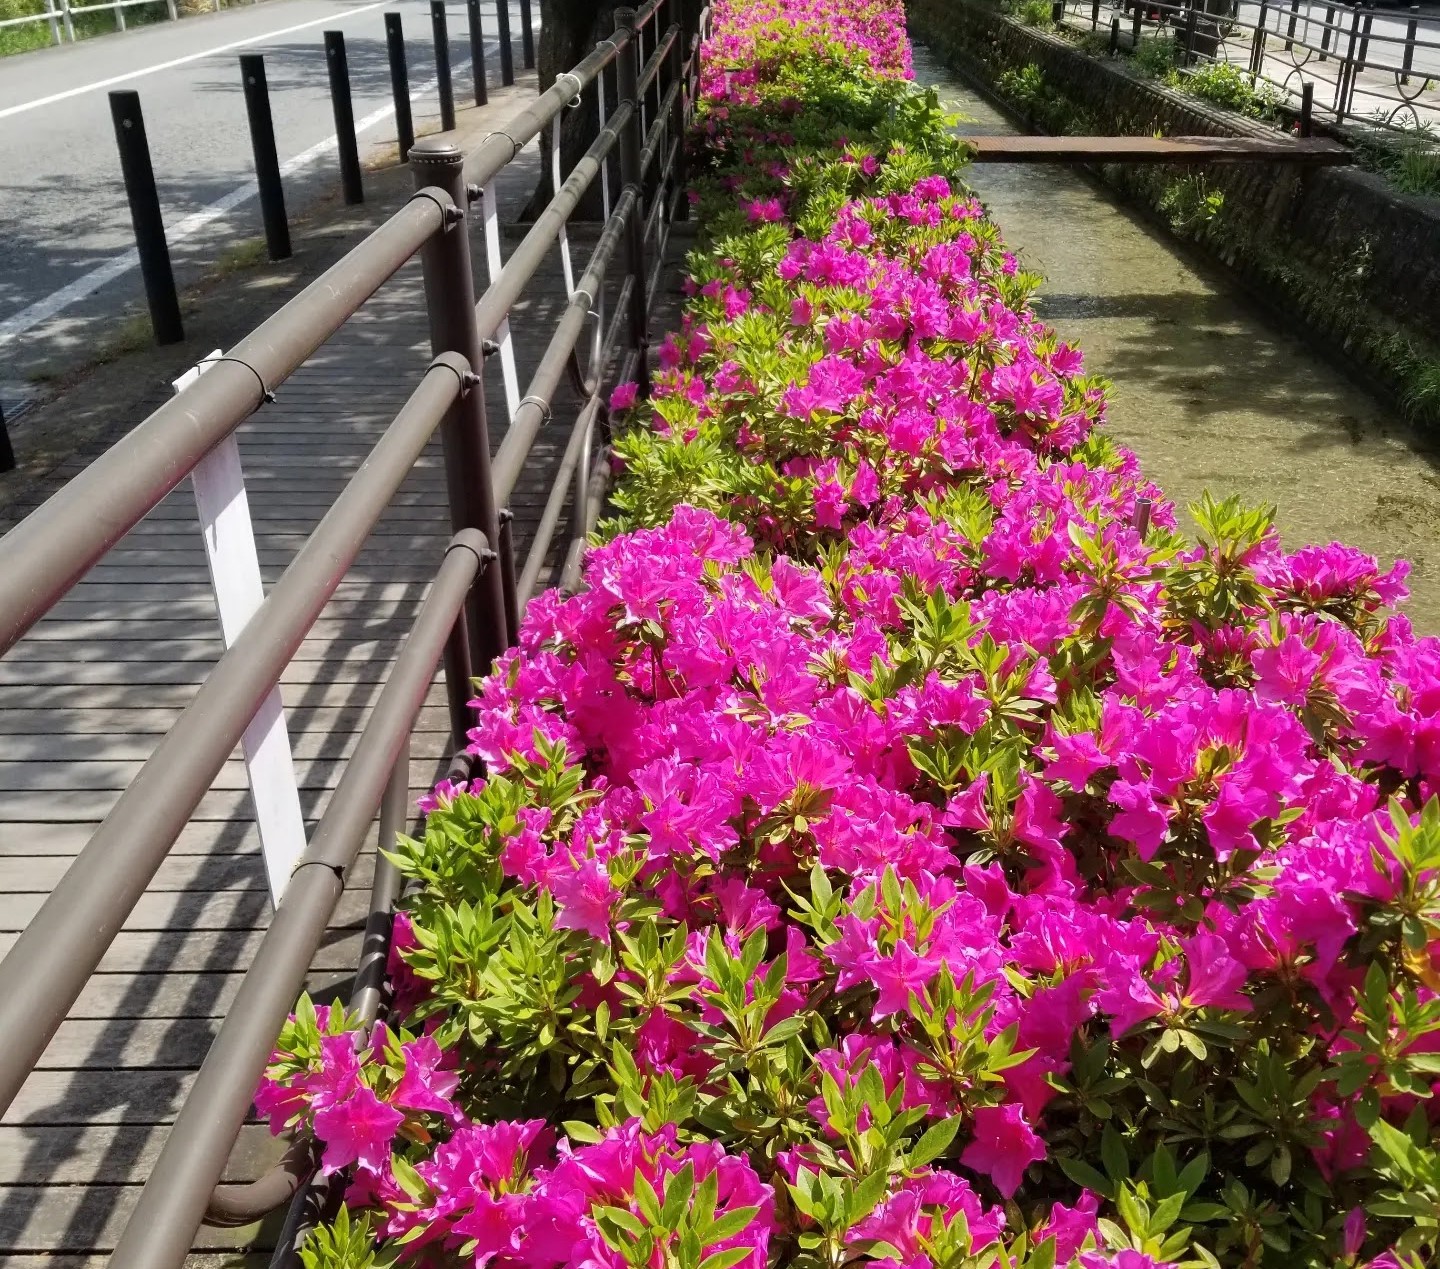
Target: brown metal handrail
(469, 623)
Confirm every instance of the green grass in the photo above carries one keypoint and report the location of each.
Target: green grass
(33, 35)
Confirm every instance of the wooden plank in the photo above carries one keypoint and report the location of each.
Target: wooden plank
(118, 998)
(214, 910)
(199, 1260)
(113, 1154)
(336, 651)
(297, 696)
(71, 777)
(64, 1218)
(64, 747)
(199, 951)
(146, 720)
(1313, 151)
(38, 874)
(64, 1098)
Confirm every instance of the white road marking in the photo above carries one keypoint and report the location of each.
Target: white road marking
(116, 266)
(181, 61)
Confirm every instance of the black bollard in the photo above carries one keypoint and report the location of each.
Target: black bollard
(7, 451)
(350, 178)
(477, 50)
(1057, 12)
(400, 85)
(527, 35)
(145, 216)
(502, 34)
(1135, 27)
(1114, 36)
(1307, 109)
(442, 65)
(1094, 15)
(267, 162)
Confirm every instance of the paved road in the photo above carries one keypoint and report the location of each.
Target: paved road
(63, 213)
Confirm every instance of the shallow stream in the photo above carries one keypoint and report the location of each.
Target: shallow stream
(1209, 391)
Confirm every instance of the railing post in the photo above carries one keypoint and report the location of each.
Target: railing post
(1290, 26)
(627, 85)
(1114, 36)
(677, 110)
(1094, 15)
(1327, 32)
(459, 665)
(450, 302)
(1365, 39)
(400, 85)
(1257, 45)
(477, 51)
(267, 162)
(1190, 20)
(527, 33)
(349, 148)
(145, 215)
(1407, 59)
(54, 21)
(1135, 26)
(442, 65)
(506, 549)
(69, 21)
(1345, 83)
(507, 49)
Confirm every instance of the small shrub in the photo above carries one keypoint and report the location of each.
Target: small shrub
(1223, 84)
(1189, 204)
(1024, 87)
(1155, 57)
(1035, 13)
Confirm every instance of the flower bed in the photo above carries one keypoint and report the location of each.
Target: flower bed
(909, 848)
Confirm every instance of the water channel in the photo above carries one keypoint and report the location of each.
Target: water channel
(1209, 391)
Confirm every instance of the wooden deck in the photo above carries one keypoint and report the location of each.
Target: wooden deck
(84, 699)
(1312, 151)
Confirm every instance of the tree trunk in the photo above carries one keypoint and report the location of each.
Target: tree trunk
(569, 31)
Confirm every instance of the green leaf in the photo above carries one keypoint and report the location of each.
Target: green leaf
(865, 1197)
(934, 1142)
(1087, 1177)
(1112, 1151)
(726, 1257)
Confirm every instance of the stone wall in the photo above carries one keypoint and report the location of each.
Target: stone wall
(1353, 260)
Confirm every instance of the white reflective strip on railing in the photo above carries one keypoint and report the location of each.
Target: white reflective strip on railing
(555, 175)
(598, 312)
(494, 263)
(225, 525)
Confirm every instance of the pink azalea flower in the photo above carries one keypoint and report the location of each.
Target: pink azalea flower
(357, 1130)
(1003, 1147)
(586, 897)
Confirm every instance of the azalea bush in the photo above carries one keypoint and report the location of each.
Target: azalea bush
(909, 848)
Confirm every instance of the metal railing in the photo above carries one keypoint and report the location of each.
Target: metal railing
(469, 616)
(61, 14)
(1363, 64)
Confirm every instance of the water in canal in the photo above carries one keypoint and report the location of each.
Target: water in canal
(1210, 392)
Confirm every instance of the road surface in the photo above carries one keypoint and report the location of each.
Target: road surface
(66, 224)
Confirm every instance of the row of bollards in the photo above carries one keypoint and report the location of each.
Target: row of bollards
(139, 174)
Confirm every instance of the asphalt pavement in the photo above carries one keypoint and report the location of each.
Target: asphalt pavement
(65, 227)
